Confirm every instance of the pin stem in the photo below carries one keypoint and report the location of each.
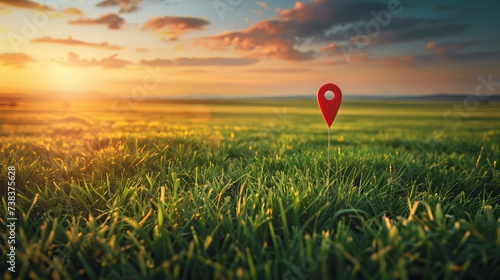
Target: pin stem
(328, 180)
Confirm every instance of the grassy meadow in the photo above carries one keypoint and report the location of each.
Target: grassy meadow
(242, 190)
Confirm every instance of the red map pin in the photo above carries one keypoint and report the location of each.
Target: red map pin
(329, 108)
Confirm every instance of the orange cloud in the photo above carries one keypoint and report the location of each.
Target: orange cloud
(17, 60)
(398, 61)
(113, 21)
(175, 26)
(430, 46)
(349, 53)
(280, 37)
(448, 47)
(109, 62)
(26, 4)
(278, 70)
(331, 48)
(71, 42)
(142, 50)
(209, 61)
(265, 38)
(73, 12)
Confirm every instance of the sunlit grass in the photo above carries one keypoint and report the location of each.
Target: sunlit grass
(241, 190)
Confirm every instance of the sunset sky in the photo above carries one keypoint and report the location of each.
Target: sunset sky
(247, 48)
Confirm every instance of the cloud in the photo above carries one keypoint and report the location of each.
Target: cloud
(278, 70)
(113, 21)
(71, 42)
(209, 61)
(142, 50)
(400, 61)
(126, 6)
(158, 62)
(258, 12)
(450, 46)
(174, 26)
(402, 30)
(450, 52)
(215, 61)
(282, 36)
(109, 62)
(459, 11)
(343, 53)
(190, 72)
(18, 60)
(326, 21)
(453, 51)
(332, 49)
(71, 11)
(263, 5)
(26, 4)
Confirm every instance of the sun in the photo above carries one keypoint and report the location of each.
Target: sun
(70, 82)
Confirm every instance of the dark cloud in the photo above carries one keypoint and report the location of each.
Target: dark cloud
(398, 30)
(18, 60)
(404, 30)
(457, 10)
(454, 52)
(445, 7)
(72, 42)
(109, 62)
(210, 61)
(126, 6)
(113, 21)
(450, 46)
(175, 26)
(451, 52)
(310, 20)
(328, 21)
(282, 36)
(175, 23)
(400, 61)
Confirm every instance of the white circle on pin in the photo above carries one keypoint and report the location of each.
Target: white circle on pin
(329, 95)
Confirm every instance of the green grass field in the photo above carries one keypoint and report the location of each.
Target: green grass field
(242, 190)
